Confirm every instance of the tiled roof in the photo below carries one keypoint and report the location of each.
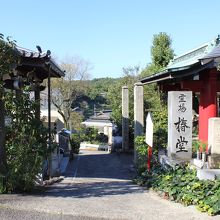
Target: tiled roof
(187, 63)
(46, 55)
(32, 54)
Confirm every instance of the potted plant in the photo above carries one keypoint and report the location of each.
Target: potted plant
(196, 148)
(203, 146)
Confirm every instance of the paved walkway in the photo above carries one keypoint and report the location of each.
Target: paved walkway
(97, 185)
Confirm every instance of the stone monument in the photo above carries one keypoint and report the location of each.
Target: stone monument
(214, 142)
(180, 124)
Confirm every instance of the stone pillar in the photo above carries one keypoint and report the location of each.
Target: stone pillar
(110, 135)
(214, 142)
(213, 135)
(138, 112)
(125, 118)
(180, 124)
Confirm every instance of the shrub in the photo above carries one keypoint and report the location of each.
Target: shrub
(26, 143)
(142, 152)
(75, 141)
(182, 185)
(91, 134)
(102, 138)
(160, 138)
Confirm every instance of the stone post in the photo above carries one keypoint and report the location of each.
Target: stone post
(180, 124)
(138, 112)
(214, 142)
(125, 118)
(110, 139)
(110, 135)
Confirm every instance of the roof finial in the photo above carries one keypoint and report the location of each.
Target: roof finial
(39, 49)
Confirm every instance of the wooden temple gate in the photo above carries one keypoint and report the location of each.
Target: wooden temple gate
(32, 69)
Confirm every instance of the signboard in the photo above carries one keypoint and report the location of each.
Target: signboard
(149, 130)
(149, 138)
(180, 124)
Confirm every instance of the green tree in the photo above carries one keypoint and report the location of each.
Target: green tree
(23, 141)
(154, 100)
(115, 99)
(26, 142)
(161, 51)
(66, 91)
(97, 94)
(8, 59)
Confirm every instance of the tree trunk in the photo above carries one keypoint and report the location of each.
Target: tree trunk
(64, 118)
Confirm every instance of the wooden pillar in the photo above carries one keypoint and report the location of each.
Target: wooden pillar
(49, 123)
(208, 102)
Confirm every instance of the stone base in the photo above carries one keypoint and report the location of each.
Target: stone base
(214, 161)
(196, 162)
(208, 174)
(166, 161)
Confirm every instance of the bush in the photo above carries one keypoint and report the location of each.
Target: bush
(142, 152)
(160, 138)
(26, 143)
(182, 185)
(91, 135)
(75, 141)
(102, 138)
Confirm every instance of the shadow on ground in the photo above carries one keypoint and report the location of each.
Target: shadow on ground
(114, 166)
(93, 189)
(95, 174)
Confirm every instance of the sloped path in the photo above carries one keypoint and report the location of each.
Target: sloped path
(97, 185)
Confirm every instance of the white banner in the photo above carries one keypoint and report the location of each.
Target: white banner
(149, 130)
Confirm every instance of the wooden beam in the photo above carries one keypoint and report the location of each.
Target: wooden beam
(193, 85)
(169, 87)
(217, 86)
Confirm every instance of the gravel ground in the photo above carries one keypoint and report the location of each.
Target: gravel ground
(97, 185)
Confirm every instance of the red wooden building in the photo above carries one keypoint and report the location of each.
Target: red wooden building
(196, 71)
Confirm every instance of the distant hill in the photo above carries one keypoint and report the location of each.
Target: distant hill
(95, 97)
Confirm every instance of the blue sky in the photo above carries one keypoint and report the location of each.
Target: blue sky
(110, 34)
